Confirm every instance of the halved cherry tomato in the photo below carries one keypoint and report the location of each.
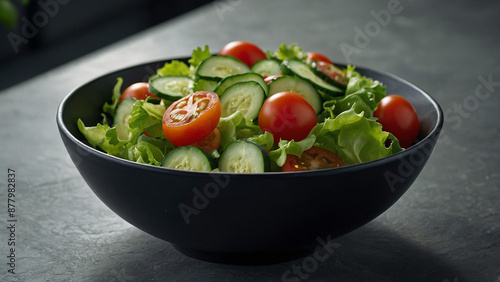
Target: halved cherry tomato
(139, 90)
(268, 79)
(246, 52)
(331, 71)
(287, 116)
(312, 159)
(209, 143)
(191, 118)
(314, 56)
(398, 117)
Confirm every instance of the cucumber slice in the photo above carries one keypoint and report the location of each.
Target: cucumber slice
(122, 118)
(339, 79)
(188, 158)
(171, 88)
(219, 67)
(267, 67)
(297, 85)
(244, 156)
(233, 79)
(300, 69)
(246, 97)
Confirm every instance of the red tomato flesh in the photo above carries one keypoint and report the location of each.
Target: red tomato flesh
(268, 79)
(314, 56)
(192, 118)
(332, 72)
(312, 159)
(209, 143)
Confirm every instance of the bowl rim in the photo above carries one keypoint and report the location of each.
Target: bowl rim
(433, 134)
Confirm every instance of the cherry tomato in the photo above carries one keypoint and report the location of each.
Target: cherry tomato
(331, 71)
(139, 90)
(268, 79)
(313, 56)
(192, 118)
(209, 143)
(287, 116)
(246, 52)
(312, 159)
(398, 117)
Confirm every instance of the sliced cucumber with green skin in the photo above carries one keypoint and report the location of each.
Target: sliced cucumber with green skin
(297, 85)
(172, 87)
(267, 67)
(188, 158)
(205, 85)
(244, 156)
(301, 69)
(339, 81)
(246, 97)
(219, 67)
(122, 118)
(233, 79)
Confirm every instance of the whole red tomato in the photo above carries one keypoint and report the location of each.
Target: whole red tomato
(287, 116)
(139, 91)
(246, 52)
(398, 117)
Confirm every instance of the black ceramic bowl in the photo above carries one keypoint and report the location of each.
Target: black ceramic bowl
(244, 218)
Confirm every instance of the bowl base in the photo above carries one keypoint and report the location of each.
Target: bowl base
(257, 258)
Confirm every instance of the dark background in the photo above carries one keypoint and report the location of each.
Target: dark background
(65, 30)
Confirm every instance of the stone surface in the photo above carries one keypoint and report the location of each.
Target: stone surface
(445, 228)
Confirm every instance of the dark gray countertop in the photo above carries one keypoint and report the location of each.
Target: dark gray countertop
(445, 228)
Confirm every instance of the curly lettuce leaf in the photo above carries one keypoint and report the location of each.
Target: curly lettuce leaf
(111, 108)
(198, 55)
(146, 150)
(362, 94)
(174, 67)
(147, 116)
(355, 138)
(266, 140)
(291, 147)
(285, 52)
(236, 127)
(146, 153)
(99, 137)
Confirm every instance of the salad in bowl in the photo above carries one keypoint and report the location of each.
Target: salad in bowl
(244, 110)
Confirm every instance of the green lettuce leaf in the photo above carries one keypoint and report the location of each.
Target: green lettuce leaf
(291, 147)
(111, 108)
(287, 52)
(266, 140)
(350, 72)
(147, 116)
(146, 150)
(146, 153)
(99, 137)
(198, 55)
(236, 127)
(362, 94)
(174, 67)
(355, 138)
